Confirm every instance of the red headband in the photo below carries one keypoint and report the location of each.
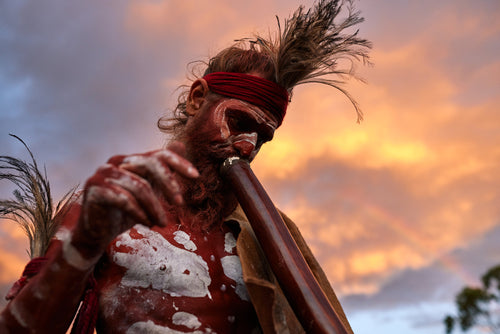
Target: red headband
(258, 91)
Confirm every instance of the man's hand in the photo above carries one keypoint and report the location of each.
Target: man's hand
(129, 190)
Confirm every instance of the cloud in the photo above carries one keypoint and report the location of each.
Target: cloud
(458, 268)
(386, 205)
(422, 297)
(402, 188)
(13, 257)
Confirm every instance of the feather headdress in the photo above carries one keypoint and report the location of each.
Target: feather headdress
(311, 46)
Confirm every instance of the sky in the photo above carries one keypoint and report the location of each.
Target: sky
(401, 210)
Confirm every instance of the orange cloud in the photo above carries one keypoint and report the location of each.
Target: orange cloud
(418, 178)
(12, 243)
(439, 148)
(195, 23)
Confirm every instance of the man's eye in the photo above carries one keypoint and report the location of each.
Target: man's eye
(239, 124)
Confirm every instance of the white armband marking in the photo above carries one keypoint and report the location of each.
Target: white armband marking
(70, 254)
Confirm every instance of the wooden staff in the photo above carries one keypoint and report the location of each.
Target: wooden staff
(301, 288)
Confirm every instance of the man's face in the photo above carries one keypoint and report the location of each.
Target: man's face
(221, 129)
(232, 127)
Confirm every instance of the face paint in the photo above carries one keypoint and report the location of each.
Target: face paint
(237, 127)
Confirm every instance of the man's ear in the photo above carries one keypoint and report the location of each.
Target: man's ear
(197, 96)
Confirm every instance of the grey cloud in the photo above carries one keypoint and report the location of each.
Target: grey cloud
(392, 215)
(78, 88)
(438, 282)
(425, 296)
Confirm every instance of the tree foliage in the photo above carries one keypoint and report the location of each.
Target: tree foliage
(478, 306)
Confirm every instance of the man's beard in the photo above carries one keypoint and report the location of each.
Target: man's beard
(208, 198)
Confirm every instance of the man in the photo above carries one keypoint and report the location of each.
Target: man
(161, 232)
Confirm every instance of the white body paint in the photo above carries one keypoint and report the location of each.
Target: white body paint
(185, 274)
(110, 300)
(70, 254)
(186, 319)
(99, 194)
(232, 268)
(173, 267)
(184, 239)
(229, 243)
(154, 165)
(18, 313)
(152, 328)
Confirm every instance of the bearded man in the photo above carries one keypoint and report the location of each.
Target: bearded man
(160, 235)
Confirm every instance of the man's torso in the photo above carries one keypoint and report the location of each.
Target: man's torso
(173, 280)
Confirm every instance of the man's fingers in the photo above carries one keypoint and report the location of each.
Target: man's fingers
(105, 210)
(143, 194)
(178, 163)
(115, 187)
(158, 176)
(159, 169)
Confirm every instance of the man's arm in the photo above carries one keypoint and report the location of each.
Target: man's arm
(122, 193)
(48, 302)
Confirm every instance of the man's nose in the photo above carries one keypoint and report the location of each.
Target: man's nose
(245, 144)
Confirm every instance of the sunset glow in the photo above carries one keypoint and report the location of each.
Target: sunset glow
(401, 210)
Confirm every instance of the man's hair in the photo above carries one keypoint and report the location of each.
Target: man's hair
(311, 47)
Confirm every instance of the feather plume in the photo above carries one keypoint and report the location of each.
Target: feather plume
(31, 207)
(313, 47)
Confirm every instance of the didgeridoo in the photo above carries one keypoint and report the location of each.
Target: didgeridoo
(301, 288)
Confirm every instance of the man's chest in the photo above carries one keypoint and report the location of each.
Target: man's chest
(177, 262)
(162, 275)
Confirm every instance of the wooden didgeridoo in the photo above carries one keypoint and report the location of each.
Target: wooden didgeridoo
(301, 288)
